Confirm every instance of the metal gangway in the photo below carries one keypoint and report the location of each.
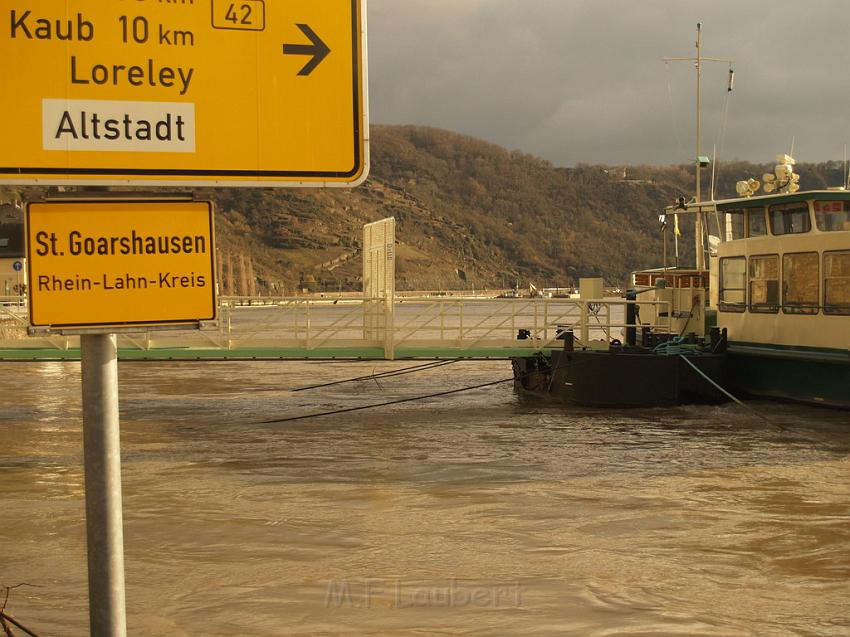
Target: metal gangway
(375, 325)
(439, 327)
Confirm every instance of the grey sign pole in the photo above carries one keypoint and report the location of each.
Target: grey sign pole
(104, 519)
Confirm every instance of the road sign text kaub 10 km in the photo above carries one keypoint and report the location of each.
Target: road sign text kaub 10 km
(186, 92)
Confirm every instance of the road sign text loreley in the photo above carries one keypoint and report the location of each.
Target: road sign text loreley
(120, 263)
(238, 92)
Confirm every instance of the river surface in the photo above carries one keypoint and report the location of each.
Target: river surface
(479, 513)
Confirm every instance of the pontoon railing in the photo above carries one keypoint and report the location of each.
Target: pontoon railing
(422, 324)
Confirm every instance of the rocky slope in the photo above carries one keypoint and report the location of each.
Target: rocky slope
(470, 215)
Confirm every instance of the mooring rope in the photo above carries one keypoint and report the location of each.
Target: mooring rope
(729, 395)
(673, 347)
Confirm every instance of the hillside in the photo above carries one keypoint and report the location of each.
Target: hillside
(470, 214)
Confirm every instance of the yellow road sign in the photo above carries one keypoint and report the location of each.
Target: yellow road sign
(190, 92)
(99, 264)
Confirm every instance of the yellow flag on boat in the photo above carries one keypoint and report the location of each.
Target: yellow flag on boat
(676, 225)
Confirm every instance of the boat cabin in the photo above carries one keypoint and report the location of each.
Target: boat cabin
(782, 268)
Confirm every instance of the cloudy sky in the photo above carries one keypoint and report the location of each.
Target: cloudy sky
(583, 81)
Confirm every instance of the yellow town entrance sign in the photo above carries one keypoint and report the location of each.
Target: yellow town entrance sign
(117, 264)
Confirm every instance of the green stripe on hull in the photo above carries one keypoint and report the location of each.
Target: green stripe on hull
(814, 354)
(791, 375)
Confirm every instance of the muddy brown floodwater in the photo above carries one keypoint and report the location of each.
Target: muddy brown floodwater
(480, 513)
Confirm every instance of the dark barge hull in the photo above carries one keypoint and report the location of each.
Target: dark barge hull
(813, 377)
(621, 378)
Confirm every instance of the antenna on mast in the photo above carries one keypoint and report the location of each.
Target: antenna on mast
(713, 171)
(700, 160)
(846, 174)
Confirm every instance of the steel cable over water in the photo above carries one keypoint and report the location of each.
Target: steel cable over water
(384, 404)
(397, 372)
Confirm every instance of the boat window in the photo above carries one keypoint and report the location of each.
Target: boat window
(790, 218)
(733, 291)
(764, 283)
(756, 226)
(836, 272)
(801, 283)
(832, 215)
(734, 225)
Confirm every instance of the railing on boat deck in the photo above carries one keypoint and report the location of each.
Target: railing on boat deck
(675, 278)
(409, 327)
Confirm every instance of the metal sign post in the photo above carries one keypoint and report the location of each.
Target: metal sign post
(189, 93)
(17, 266)
(104, 518)
(101, 264)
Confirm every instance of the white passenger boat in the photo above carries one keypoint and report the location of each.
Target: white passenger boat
(772, 274)
(779, 265)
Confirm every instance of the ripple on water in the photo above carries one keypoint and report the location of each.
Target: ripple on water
(685, 521)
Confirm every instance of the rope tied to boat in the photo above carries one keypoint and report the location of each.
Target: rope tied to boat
(673, 347)
(731, 397)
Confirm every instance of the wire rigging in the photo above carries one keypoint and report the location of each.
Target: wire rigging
(720, 138)
(682, 153)
(396, 372)
(385, 404)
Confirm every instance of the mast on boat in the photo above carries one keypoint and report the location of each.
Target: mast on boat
(698, 60)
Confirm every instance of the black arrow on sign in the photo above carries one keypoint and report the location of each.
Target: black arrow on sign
(318, 49)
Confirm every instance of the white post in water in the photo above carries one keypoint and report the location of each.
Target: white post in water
(104, 519)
